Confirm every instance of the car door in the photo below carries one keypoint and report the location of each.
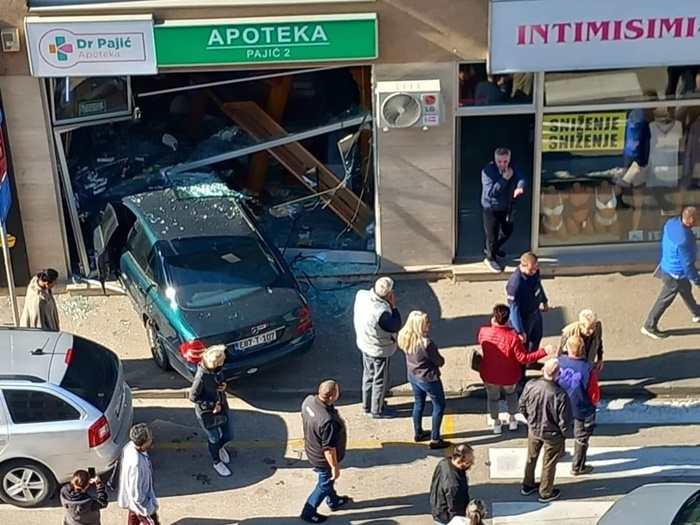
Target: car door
(4, 429)
(134, 268)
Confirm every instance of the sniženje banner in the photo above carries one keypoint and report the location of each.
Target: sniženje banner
(580, 132)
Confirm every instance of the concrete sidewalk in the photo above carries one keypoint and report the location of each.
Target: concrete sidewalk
(634, 364)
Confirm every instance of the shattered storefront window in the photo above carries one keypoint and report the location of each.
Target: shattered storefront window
(80, 98)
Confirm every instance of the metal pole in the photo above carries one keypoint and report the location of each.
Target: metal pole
(8, 271)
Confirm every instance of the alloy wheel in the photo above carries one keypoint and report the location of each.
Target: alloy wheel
(24, 485)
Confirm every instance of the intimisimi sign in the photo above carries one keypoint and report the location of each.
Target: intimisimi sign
(61, 47)
(267, 40)
(562, 35)
(582, 132)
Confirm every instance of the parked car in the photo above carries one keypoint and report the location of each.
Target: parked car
(657, 504)
(64, 406)
(199, 272)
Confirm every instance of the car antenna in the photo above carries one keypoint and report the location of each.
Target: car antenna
(39, 351)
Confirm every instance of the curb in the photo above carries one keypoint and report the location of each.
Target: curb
(452, 390)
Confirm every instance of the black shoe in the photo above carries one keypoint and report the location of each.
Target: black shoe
(440, 444)
(528, 491)
(554, 495)
(342, 501)
(314, 518)
(499, 253)
(493, 266)
(423, 436)
(654, 333)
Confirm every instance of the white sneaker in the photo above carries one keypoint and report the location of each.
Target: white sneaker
(497, 428)
(696, 319)
(513, 425)
(222, 469)
(223, 456)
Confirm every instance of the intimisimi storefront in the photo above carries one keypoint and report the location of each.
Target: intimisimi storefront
(248, 102)
(609, 96)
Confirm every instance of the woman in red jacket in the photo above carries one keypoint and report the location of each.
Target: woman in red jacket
(504, 353)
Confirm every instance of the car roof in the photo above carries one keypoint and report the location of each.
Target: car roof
(187, 212)
(33, 355)
(653, 504)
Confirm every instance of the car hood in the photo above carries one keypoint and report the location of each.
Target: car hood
(655, 504)
(266, 305)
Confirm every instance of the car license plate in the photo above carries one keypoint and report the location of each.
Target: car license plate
(256, 340)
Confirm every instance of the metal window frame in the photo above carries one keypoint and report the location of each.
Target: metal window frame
(83, 120)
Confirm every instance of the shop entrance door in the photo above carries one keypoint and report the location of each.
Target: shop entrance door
(479, 137)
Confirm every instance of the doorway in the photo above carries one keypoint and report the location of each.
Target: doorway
(479, 138)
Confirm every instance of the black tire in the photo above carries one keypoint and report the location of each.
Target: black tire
(36, 474)
(160, 357)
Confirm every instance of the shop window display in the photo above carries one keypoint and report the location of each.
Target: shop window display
(624, 85)
(616, 176)
(89, 98)
(478, 88)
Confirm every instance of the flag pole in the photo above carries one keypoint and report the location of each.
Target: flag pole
(10, 274)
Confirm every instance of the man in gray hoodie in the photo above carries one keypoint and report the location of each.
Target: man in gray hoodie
(136, 492)
(377, 321)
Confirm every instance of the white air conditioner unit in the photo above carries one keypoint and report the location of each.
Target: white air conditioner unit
(409, 104)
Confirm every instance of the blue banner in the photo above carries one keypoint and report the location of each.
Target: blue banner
(5, 194)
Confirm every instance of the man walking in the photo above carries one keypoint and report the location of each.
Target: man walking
(525, 297)
(377, 322)
(325, 440)
(136, 492)
(547, 409)
(590, 330)
(449, 489)
(40, 309)
(676, 270)
(579, 379)
(501, 183)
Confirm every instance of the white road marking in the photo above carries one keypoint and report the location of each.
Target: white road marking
(555, 513)
(625, 411)
(609, 462)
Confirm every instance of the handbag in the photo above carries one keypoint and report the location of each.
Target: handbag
(210, 420)
(475, 360)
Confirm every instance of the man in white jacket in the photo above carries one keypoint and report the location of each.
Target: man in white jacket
(136, 493)
(377, 321)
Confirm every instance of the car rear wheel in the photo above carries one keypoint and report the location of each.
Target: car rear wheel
(157, 348)
(24, 483)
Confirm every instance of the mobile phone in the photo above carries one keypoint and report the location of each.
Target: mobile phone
(91, 472)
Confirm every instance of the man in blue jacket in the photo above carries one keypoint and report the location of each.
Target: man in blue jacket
(676, 270)
(501, 183)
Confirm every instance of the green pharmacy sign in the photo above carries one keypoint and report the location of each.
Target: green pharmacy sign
(267, 40)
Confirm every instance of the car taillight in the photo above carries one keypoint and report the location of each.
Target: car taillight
(191, 351)
(305, 323)
(69, 356)
(98, 432)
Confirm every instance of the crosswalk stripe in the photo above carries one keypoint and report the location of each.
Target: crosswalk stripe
(609, 462)
(627, 411)
(555, 513)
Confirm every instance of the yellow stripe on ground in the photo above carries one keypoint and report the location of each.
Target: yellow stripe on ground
(448, 427)
(291, 444)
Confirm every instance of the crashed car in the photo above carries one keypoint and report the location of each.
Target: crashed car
(200, 273)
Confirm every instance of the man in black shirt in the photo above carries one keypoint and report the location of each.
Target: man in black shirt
(449, 490)
(325, 440)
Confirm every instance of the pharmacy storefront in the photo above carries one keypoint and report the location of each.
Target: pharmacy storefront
(607, 100)
(276, 110)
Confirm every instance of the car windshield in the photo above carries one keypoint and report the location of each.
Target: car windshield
(690, 512)
(212, 271)
(92, 373)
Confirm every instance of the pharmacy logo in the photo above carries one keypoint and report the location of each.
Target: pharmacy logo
(61, 49)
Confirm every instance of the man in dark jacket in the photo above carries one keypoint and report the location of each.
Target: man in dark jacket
(325, 440)
(547, 409)
(82, 507)
(449, 489)
(579, 379)
(501, 183)
(676, 270)
(526, 299)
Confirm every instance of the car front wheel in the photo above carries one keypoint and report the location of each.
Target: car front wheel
(25, 484)
(157, 348)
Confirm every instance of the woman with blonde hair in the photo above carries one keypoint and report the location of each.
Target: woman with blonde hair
(208, 393)
(475, 515)
(423, 362)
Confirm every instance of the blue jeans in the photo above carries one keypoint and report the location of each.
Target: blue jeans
(219, 436)
(325, 489)
(421, 390)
